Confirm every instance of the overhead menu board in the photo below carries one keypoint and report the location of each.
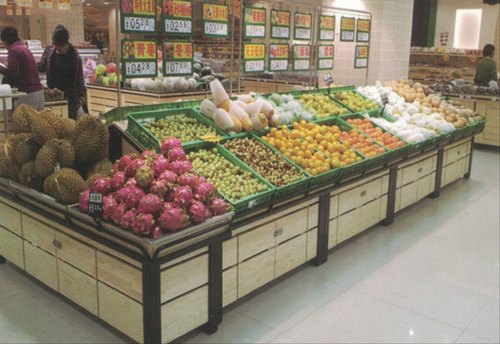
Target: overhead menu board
(326, 28)
(302, 24)
(278, 57)
(347, 27)
(254, 56)
(215, 20)
(139, 58)
(177, 58)
(363, 30)
(254, 22)
(138, 16)
(177, 17)
(280, 24)
(325, 56)
(301, 57)
(361, 56)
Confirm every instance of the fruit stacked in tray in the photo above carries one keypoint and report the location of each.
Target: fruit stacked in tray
(378, 134)
(323, 105)
(355, 101)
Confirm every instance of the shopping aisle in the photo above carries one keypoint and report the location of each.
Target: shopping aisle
(432, 276)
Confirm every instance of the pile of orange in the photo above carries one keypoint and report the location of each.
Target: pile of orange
(376, 133)
(364, 145)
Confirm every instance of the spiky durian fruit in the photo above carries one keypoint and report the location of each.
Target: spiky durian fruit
(65, 186)
(9, 167)
(21, 118)
(103, 167)
(26, 150)
(29, 177)
(90, 140)
(54, 153)
(44, 127)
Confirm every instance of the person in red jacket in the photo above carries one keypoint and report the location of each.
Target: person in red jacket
(21, 70)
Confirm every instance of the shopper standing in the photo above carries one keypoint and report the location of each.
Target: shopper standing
(64, 69)
(21, 70)
(486, 69)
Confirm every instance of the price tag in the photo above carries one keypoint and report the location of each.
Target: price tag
(255, 31)
(326, 28)
(140, 69)
(215, 29)
(178, 68)
(302, 34)
(278, 57)
(347, 27)
(178, 26)
(280, 32)
(177, 58)
(178, 17)
(138, 24)
(328, 79)
(385, 98)
(278, 65)
(361, 56)
(280, 24)
(254, 55)
(254, 22)
(363, 30)
(215, 20)
(301, 57)
(325, 64)
(95, 205)
(302, 26)
(138, 16)
(139, 58)
(254, 66)
(301, 65)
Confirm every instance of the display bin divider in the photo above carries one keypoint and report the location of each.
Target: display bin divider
(118, 114)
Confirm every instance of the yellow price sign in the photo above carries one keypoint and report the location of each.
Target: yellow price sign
(215, 12)
(364, 25)
(327, 22)
(146, 7)
(347, 24)
(254, 51)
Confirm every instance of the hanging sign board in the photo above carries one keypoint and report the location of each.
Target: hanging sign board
(301, 57)
(361, 56)
(19, 10)
(177, 58)
(326, 28)
(302, 26)
(254, 56)
(280, 24)
(64, 5)
(325, 56)
(9, 10)
(137, 16)
(45, 4)
(139, 58)
(347, 26)
(177, 17)
(278, 57)
(3, 2)
(363, 30)
(24, 3)
(215, 20)
(254, 22)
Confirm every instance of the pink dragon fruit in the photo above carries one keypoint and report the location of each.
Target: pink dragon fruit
(169, 176)
(205, 192)
(150, 204)
(122, 194)
(170, 196)
(116, 166)
(133, 197)
(101, 185)
(201, 179)
(159, 187)
(128, 219)
(168, 205)
(143, 224)
(125, 161)
(131, 182)
(118, 180)
(208, 213)
(117, 216)
(183, 196)
(180, 167)
(148, 154)
(84, 201)
(173, 220)
(197, 212)
(176, 154)
(219, 206)
(109, 206)
(155, 233)
(169, 143)
(188, 179)
(133, 166)
(144, 176)
(159, 165)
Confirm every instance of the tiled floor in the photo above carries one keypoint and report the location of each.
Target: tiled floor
(432, 276)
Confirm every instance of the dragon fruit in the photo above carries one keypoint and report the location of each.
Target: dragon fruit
(159, 165)
(118, 180)
(122, 194)
(118, 214)
(176, 154)
(155, 233)
(219, 206)
(169, 176)
(169, 143)
(188, 179)
(144, 176)
(208, 213)
(125, 161)
(183, 196)
(101, 185)
(201, 179)
(197, 211)
(204, 192)
(84, 201)
(159, 187)
(133, 196)
(170, 196)
(116, 166)
(128, 219)
(180, 167)
(131, 182)
(173, 220)
(143, 224)
(168, 205)
(148, 154)
(150, 204)
(109, 206)
(131, 168)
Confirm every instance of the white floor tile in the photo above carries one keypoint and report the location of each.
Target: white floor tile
(487, 322)
(470, 338)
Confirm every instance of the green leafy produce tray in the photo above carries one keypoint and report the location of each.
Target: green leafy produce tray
(297, 187)
(147, 140)
(248, 202)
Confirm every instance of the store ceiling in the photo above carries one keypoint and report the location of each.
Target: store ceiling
(100, 3)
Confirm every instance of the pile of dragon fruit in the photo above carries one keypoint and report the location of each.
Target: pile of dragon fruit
(152, 194)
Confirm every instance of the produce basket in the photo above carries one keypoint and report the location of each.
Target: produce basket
(248, 202)
(118, 114)
(378, 109)
(298, 187)
(147, 140)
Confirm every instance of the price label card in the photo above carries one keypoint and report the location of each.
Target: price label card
(302, 26)
(177, 17)
(280, 24)
(254, 22)
(326, 28)
(177, 58)
(385, 98)
(95, 205)
(138, 16)
(301, 57)
(254, 55)
(347, 27)
(139, 58)
(325, 56)
(215, 20)
(363, 30)
(278, 57)
(361, 56)
(328, 79)
(299, 65)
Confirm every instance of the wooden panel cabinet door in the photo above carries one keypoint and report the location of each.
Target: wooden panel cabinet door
(256, 272)
(291, 254)
(77, 286)
(40, 264)
(11, 247)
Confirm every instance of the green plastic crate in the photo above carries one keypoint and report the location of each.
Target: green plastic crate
(118, 114)
(251, 201)
(147, 140)
(340, 89)
(297, 187)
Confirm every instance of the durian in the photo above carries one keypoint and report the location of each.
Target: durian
(65, 186)
(9, 168)
(54, 153)
(21, 118)
(26, 150)
(29, 177)
(43, 127)
(90, 140)
(91, 180)
(103, 167)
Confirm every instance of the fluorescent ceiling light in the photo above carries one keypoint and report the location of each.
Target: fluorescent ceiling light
(467, 28)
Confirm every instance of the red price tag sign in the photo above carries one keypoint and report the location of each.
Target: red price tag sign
(325, 51)
(281, 18)
(178, 50)
(301, 51)
(178, 9)
(303, 20)
(255, 15)
(278, 51)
